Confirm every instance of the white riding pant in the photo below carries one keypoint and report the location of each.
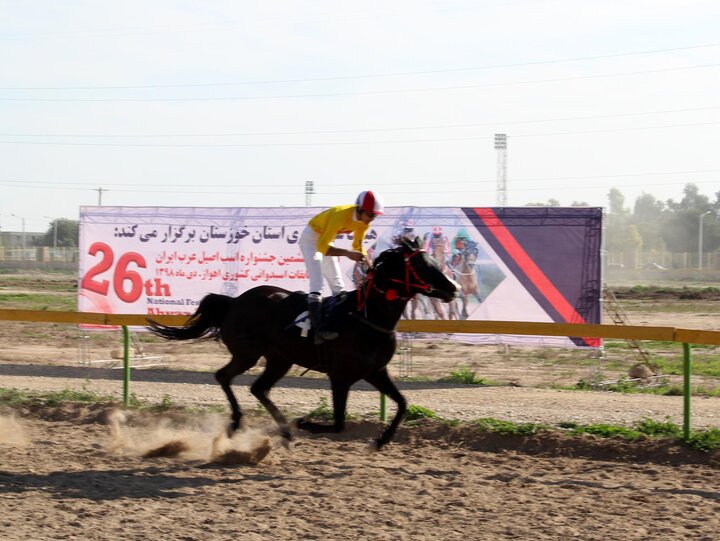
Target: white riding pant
(319, 265)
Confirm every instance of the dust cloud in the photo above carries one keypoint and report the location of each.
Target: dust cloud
(12, 432)
(202, 439)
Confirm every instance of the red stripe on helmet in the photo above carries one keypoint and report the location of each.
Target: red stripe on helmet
(369, 202)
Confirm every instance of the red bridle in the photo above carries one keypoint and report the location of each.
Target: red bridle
(391, 294)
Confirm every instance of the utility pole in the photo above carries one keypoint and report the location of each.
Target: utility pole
(100, 192)
(23, 234)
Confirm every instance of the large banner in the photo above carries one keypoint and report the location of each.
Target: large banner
(514, 264)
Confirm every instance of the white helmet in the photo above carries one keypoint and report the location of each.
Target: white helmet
(370, 202)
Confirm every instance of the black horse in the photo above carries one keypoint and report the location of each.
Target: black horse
(268, 321)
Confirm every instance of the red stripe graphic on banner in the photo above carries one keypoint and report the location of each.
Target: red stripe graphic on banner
(533, 272)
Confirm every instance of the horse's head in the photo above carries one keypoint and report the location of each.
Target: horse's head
(408, 270)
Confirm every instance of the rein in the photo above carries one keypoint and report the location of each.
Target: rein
(412, 281)
(371, 324)
(392, 294)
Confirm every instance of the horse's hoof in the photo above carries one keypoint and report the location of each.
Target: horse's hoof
(286, 434)
(232, 428)
(375, 446)
(288, 444)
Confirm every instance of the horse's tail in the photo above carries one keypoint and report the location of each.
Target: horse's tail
(205, 323)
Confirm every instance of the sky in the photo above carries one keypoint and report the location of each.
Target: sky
(239, 104)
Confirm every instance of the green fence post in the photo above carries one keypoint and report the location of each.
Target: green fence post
(126, 365)
(687, 369)
(383, 412)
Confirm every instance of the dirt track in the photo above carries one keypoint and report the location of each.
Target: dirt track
(67, 474)
(75, 478)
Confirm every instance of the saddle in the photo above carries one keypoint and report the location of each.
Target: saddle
(331, 311)
(330, 308)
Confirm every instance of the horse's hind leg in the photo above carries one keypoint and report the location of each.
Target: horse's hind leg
(275, 369)
(237, 365)
(382, 382)
(340, 392)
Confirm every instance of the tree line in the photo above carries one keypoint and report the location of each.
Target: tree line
(664, 226)
(651, 224)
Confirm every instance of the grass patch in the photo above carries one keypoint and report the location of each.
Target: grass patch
(700, 440)
(18, 398)
(633, 387)
(653, 428)
(700, 367)
(607, 431)
(15, 397)
(166, 404)
(507, 428)
(704, 440)
(465, 376)
(12, 397)
(38, 301)
(56, 398)
(322, 411)
(415, 412)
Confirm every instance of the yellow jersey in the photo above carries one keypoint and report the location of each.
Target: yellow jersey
(329, 223)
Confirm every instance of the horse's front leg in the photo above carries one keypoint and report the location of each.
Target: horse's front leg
(340, 395)
(437, 306)
(453, 310)
(382, 382)
(464, 314)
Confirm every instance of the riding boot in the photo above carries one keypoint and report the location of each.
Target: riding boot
(321, 332)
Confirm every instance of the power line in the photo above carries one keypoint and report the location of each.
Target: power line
(365, 130)
(346, 143)
(445, 191)
(415, 192)
(365, 92)
(33, 184)
(369, 76)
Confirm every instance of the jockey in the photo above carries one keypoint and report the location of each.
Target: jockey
(437, 237)
(321, 257)
(407, 231)
(462, 241)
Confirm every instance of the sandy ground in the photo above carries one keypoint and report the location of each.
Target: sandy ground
(69, 474)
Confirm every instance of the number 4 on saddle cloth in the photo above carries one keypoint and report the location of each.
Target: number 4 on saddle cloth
(330, 312)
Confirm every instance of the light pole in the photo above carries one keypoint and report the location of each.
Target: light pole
(700, 239)
(54, 223)
(23, 234)
(22, 220)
